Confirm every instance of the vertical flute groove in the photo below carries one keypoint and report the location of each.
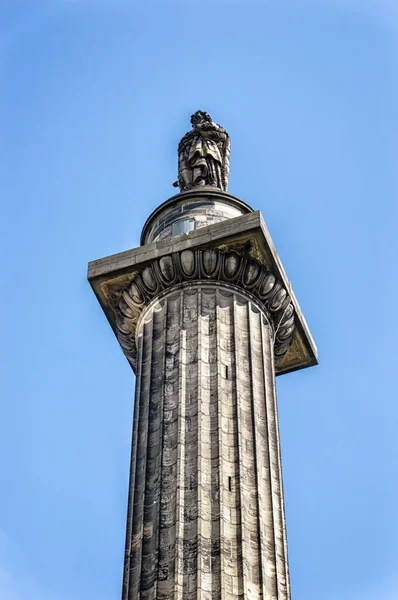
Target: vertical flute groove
(230, 533)
(208, 451)
(259, 340)
(215, 561)
(168, 504)
(238, 335)
(255, 440)
(286, 589)
(189, 509)
(133, 462)
(139, 494)
(153, 456)
(274, 476)
(180, 500)
(220, 391)
(200, 474)
(161, 441)
(238, 497)
(250, 544)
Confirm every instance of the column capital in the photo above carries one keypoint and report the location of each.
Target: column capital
(237, 252)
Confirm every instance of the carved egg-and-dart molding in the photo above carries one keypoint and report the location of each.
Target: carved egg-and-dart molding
(195, 266)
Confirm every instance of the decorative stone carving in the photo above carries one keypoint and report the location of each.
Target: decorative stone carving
(193, 266)
(203, 154)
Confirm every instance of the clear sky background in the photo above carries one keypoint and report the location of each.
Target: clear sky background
(95, 96)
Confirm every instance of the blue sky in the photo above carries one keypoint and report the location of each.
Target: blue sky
(95, 96)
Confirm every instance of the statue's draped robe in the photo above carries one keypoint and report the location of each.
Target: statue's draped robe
(203, 158)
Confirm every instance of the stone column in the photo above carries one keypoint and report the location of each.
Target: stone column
(206, 518)
(206, 319)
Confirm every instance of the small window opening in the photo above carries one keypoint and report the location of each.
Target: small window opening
(183, 226)
(230, 484)
(226, 372)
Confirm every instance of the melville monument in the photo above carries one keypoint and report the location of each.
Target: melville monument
(206, 317)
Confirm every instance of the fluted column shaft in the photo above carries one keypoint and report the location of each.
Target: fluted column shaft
(206, 517)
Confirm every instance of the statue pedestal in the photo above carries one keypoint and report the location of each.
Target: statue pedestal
(204, 205)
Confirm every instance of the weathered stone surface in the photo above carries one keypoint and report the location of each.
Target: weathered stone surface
(206, 517)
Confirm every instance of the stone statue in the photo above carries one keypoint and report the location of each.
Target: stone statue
(203, 154)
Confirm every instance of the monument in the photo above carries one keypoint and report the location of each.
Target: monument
(206, 317)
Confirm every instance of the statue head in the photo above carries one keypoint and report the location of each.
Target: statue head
(199, 117)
